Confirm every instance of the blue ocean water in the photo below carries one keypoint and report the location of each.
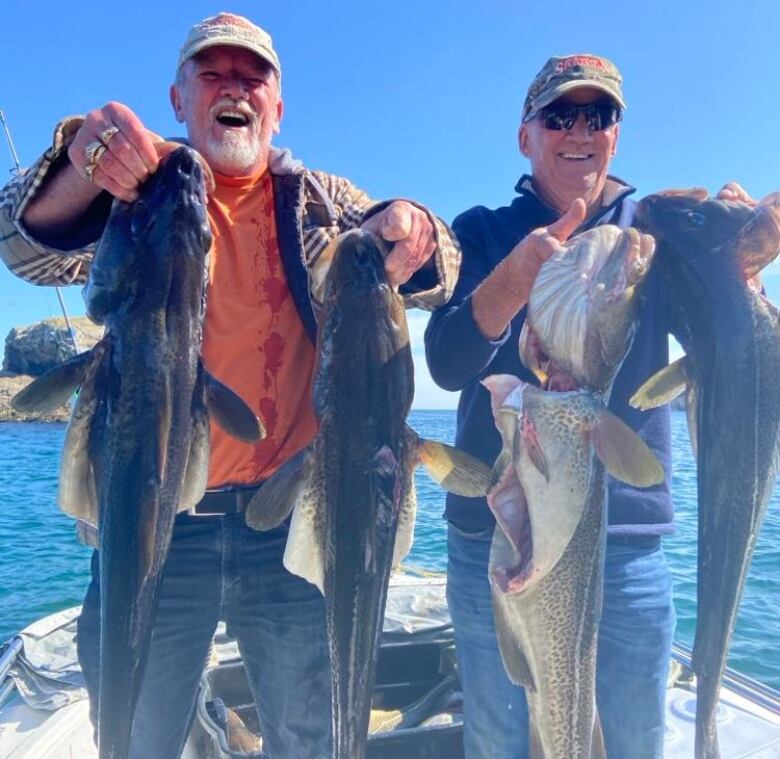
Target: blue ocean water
(43, 569)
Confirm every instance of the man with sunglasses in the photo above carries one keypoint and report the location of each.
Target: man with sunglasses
(569, 133)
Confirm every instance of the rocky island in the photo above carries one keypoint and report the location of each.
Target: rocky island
(30, 351)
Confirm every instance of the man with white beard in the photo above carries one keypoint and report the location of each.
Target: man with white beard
(271, 219)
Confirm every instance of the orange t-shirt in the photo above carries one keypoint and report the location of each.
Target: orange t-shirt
(253, 338)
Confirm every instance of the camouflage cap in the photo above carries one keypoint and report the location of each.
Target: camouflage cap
(229, 29)
(564, 73)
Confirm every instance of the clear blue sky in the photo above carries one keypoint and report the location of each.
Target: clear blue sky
(420, 99)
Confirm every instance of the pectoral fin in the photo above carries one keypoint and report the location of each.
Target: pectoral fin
(197, 472)
(275, 500)
(53, 388)
(231, 413)
(662, 388)
(456, 471)
(76, 493)
(624, 454)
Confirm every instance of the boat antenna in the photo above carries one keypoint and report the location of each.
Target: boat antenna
(16, 171)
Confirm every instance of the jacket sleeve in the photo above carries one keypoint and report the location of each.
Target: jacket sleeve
(456, 350)
(67, 261)
(351, 207)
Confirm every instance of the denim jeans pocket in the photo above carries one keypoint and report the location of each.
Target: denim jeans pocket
(476, 535)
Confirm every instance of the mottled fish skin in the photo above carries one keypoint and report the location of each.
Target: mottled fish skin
(547, 556)
(147, 286)
(582, 308)
(731, 339)
(552, 623)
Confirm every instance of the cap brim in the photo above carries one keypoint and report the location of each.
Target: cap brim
(564, 87)
(232, 42)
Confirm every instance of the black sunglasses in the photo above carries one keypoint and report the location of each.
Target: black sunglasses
(562, 115)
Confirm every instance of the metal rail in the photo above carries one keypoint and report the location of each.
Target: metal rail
(742, 685)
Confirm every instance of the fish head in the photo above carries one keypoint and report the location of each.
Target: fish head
(696, 233)
(544, 464)
(691, 227)
(362, 323)
(165, 227)
(583, 307)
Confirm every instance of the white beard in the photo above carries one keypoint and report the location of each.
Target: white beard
(236, 152)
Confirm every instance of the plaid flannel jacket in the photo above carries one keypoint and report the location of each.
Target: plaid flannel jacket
(322, 206)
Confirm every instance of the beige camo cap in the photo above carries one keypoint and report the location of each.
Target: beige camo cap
(229, 29)
(567, 72)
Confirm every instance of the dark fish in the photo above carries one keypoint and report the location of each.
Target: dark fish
(549, 500)
(137, 447)
(729, 331)
(352, 490)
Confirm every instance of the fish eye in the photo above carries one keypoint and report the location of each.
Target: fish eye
(695, 219)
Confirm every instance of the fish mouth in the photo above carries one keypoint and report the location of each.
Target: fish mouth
(515, 569)
(583, 297)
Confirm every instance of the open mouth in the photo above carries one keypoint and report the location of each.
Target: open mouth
(551, 376)
(508, 504)
(232, 118)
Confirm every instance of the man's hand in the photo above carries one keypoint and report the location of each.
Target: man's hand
(123, 147)
(527, 257)
(412, 232)
(735, 192)
(507, 288)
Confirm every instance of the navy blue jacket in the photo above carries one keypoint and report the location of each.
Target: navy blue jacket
(459, 356)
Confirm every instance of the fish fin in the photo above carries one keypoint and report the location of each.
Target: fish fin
(691, 413)
(533, 446)
(54, 387)
(231, 413)
(275, 500)
(304, 554)
(534, 741)
(662, 388)
(76, 492)
(598, 748)
(456, 471)
(404, 535)
(515, 663)
(624, 454)
(196, 474)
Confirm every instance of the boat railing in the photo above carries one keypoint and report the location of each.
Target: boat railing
(8, 656)
(760, 694)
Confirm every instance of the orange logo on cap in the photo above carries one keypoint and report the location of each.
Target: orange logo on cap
(580, 60)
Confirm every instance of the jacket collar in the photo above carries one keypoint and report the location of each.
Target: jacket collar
(615, 191)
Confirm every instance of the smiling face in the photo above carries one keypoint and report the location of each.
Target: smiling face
(230, 101)
(570, 163)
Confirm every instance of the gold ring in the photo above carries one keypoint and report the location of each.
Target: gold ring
(108, 133)
(94, 152)
(89, 170)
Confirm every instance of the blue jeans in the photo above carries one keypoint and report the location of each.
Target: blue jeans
(218, 568)
(635, 641)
